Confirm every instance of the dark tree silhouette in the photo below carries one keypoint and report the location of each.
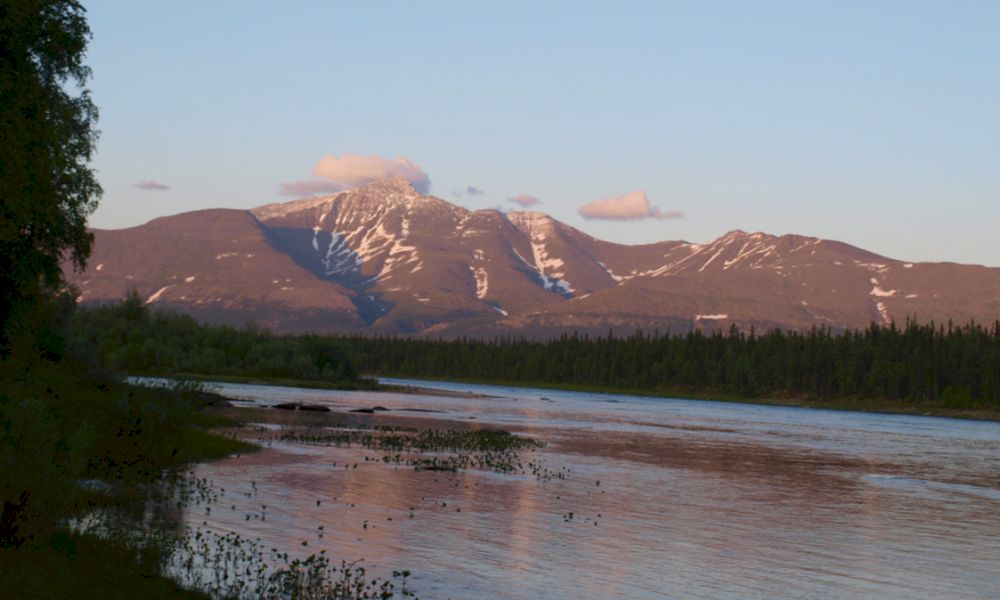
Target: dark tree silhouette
(47, 137)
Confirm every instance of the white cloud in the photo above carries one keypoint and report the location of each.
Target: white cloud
(524, 200)
(628, 207)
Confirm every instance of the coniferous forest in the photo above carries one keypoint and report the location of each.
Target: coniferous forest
(946, 365)
(130, 338)
(956, 366)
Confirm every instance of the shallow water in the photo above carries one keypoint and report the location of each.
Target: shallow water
(669, 499)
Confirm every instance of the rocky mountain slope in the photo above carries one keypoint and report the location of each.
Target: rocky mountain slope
(384, 258)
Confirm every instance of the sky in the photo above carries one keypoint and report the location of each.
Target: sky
(873, 123)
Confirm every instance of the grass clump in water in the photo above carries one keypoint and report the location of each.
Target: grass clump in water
(231, 566)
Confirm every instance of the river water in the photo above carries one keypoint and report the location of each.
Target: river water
(663, 499)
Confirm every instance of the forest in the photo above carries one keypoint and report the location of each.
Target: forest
(952, 366)
(128, 337)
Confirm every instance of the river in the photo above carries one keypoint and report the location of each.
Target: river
(662, 498)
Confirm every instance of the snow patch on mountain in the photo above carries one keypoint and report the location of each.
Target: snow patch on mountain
(883, 312)
(751, 248)
(720, 247)
(539, 228)
(482, 281)
(879, 292)
(617, 278)
(805, 245)
(156, 295)
(556, 285)
(871, 266)
(339, 258)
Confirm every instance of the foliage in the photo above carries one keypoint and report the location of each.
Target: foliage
(47, 188)
(60, 425)
(956, 367)
(82, 566)
(231, 566)
(130, 338)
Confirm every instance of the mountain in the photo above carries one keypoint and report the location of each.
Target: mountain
(386, 259)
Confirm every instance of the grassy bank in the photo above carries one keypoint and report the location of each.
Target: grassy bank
(83, 566)
(66, 428)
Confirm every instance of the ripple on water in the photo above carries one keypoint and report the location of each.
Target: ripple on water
(674, 499)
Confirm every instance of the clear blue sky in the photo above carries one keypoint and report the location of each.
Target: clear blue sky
(874, 123)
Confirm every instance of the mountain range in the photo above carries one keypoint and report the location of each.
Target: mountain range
(386, 259)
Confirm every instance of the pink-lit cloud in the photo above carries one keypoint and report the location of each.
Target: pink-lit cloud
(355, 171)
(314, 187)
(524, 200)
(150, 185)
(629, 207)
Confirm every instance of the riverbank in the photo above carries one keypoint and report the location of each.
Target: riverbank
(264, 380)
(84, 566)
(85, 442)
(322, 385)
(868, 405)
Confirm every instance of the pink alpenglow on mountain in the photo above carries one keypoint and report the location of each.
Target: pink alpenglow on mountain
(385, 258)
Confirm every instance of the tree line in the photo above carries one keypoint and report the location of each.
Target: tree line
(943, 364)
(129, 338)
(956, 366)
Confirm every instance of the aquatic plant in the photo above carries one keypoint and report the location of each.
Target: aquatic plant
(486, 449)
(231, 566)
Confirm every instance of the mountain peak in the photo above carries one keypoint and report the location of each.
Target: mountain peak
(277, 210)
(385, 258)
(529, 215)
(531, 222)
(739, 234)
(397, 185)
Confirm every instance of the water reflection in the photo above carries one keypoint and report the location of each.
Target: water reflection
(665, 499)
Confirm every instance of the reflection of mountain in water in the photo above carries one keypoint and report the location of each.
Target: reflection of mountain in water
(779, 501)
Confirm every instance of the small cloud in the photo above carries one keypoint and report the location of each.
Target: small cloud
(469, 191)
(352, 171)
(524, 200)
(150, 185)
(315, 187)
(629, 207)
